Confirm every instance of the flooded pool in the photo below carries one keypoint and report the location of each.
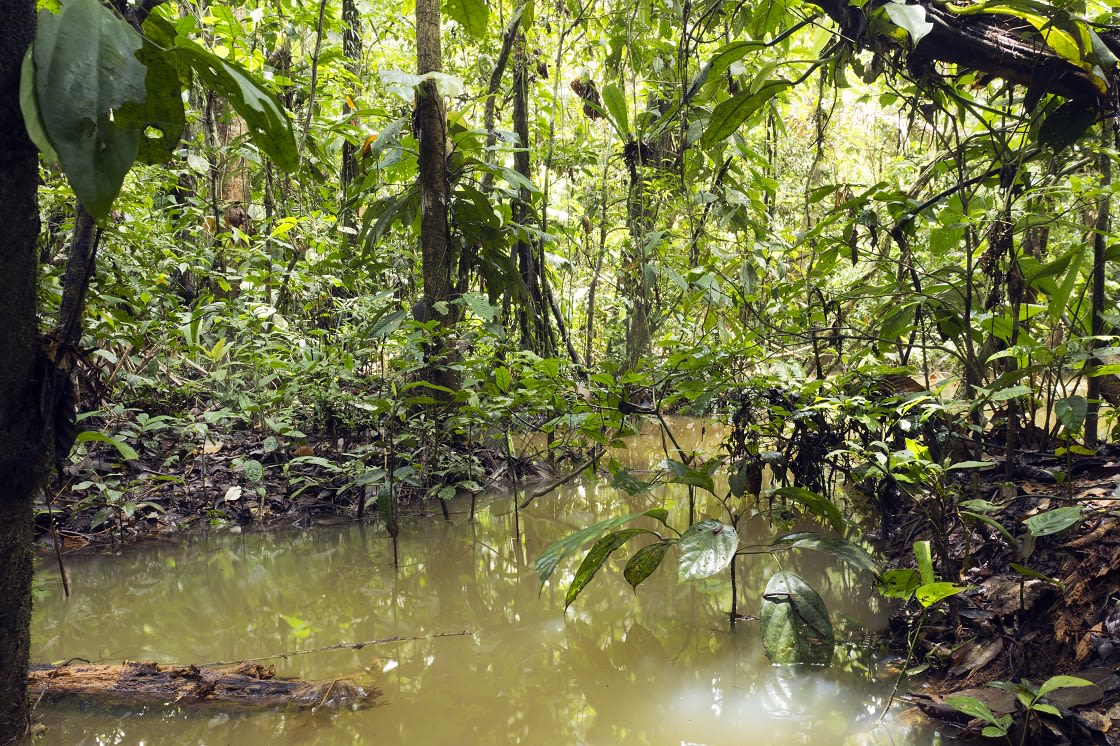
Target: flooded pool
(487, 656)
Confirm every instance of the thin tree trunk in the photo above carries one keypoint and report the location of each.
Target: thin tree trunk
(1100, 246)
(352, 51)
(21, 424)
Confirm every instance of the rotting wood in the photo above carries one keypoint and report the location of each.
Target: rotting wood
(248, 686)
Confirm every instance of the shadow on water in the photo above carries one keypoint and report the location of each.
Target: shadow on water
(659, 666)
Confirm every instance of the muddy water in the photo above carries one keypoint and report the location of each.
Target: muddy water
(660, 666)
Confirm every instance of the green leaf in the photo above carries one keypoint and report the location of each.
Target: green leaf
(683, 474)
(1011, 392)
(971, 706)
(645, 561)
(614, 101)
(794, 622)
(266, 120)
(1066, 125)
(706, 548)
(1011, 540)
(727, 117)
(1061, 682)
(815, 503)
(29, 106)
(555, 553)
(899, 583)
(596, 556)
(161, 118)
(502, 378)
(127, 452)
(969, 465)
(924, 558)
(628, 483)
(472, 15)
(1053, 521)
(86, 70)
(253, 470)
(1071, 411)
(838, 547)
(909, 17)
(930, 593)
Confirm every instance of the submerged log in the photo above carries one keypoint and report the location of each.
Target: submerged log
(248, 686)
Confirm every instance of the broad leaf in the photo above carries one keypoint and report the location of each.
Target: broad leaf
(727, 117)
(614, 101)
(686, 475)
(706, 548)
(899, 583)
(160, 119)
(1053, 521)
(1071, 411)
(931, 593)
(645, 561)
(472, 15)
(595, 558)
(838, 547)
(794, 622)
(1066, 125)
(815, 503)
(555, 553)
(86, 70)
(1061, 682)
(266, 120)
(923, 555)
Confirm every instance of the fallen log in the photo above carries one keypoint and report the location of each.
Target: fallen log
(247, 686)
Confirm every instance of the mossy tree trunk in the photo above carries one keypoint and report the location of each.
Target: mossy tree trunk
(437, 257)
(21, 425)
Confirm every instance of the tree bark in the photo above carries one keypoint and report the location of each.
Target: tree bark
(21, 423)
(435, 231)
(997, 45)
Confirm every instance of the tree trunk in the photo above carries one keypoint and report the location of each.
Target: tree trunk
(352, 51)
(435, 231)
(1100, 249)
(21, 425)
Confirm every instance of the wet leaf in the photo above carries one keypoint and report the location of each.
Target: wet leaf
(645, 561)
(794, 622)
(1053, 521)
(555, 553)
(838, 547)
(706, 548)
(593, 561)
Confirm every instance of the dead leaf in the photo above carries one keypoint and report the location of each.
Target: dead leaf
(305, 450)
(975, 656)
(233, 494)
(210, 447)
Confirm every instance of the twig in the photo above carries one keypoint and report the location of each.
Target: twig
(342, 646)
(549, 486)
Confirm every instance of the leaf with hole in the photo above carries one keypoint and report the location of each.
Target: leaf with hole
(596, 556)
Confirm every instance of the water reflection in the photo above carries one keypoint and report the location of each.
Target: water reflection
(657, 667)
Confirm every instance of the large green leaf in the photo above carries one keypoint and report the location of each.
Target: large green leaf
(815, 503)
(29, 106)
(644, 561)
(1053, 521)
(727, 117)
(266, 120)
(706, 548)
(794, 622)
(837, 546)
(555, 553)
(683, 474)
(614, 101)
(86, 70)
(595, 558)
(472, 15)
(160, 119)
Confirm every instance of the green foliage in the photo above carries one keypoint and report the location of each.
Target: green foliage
(794, 621)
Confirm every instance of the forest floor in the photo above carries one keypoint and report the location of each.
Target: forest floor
(1039, 557)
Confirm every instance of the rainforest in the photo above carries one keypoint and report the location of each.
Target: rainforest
(559, 371)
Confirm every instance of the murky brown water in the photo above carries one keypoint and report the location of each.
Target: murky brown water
(657, 667)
